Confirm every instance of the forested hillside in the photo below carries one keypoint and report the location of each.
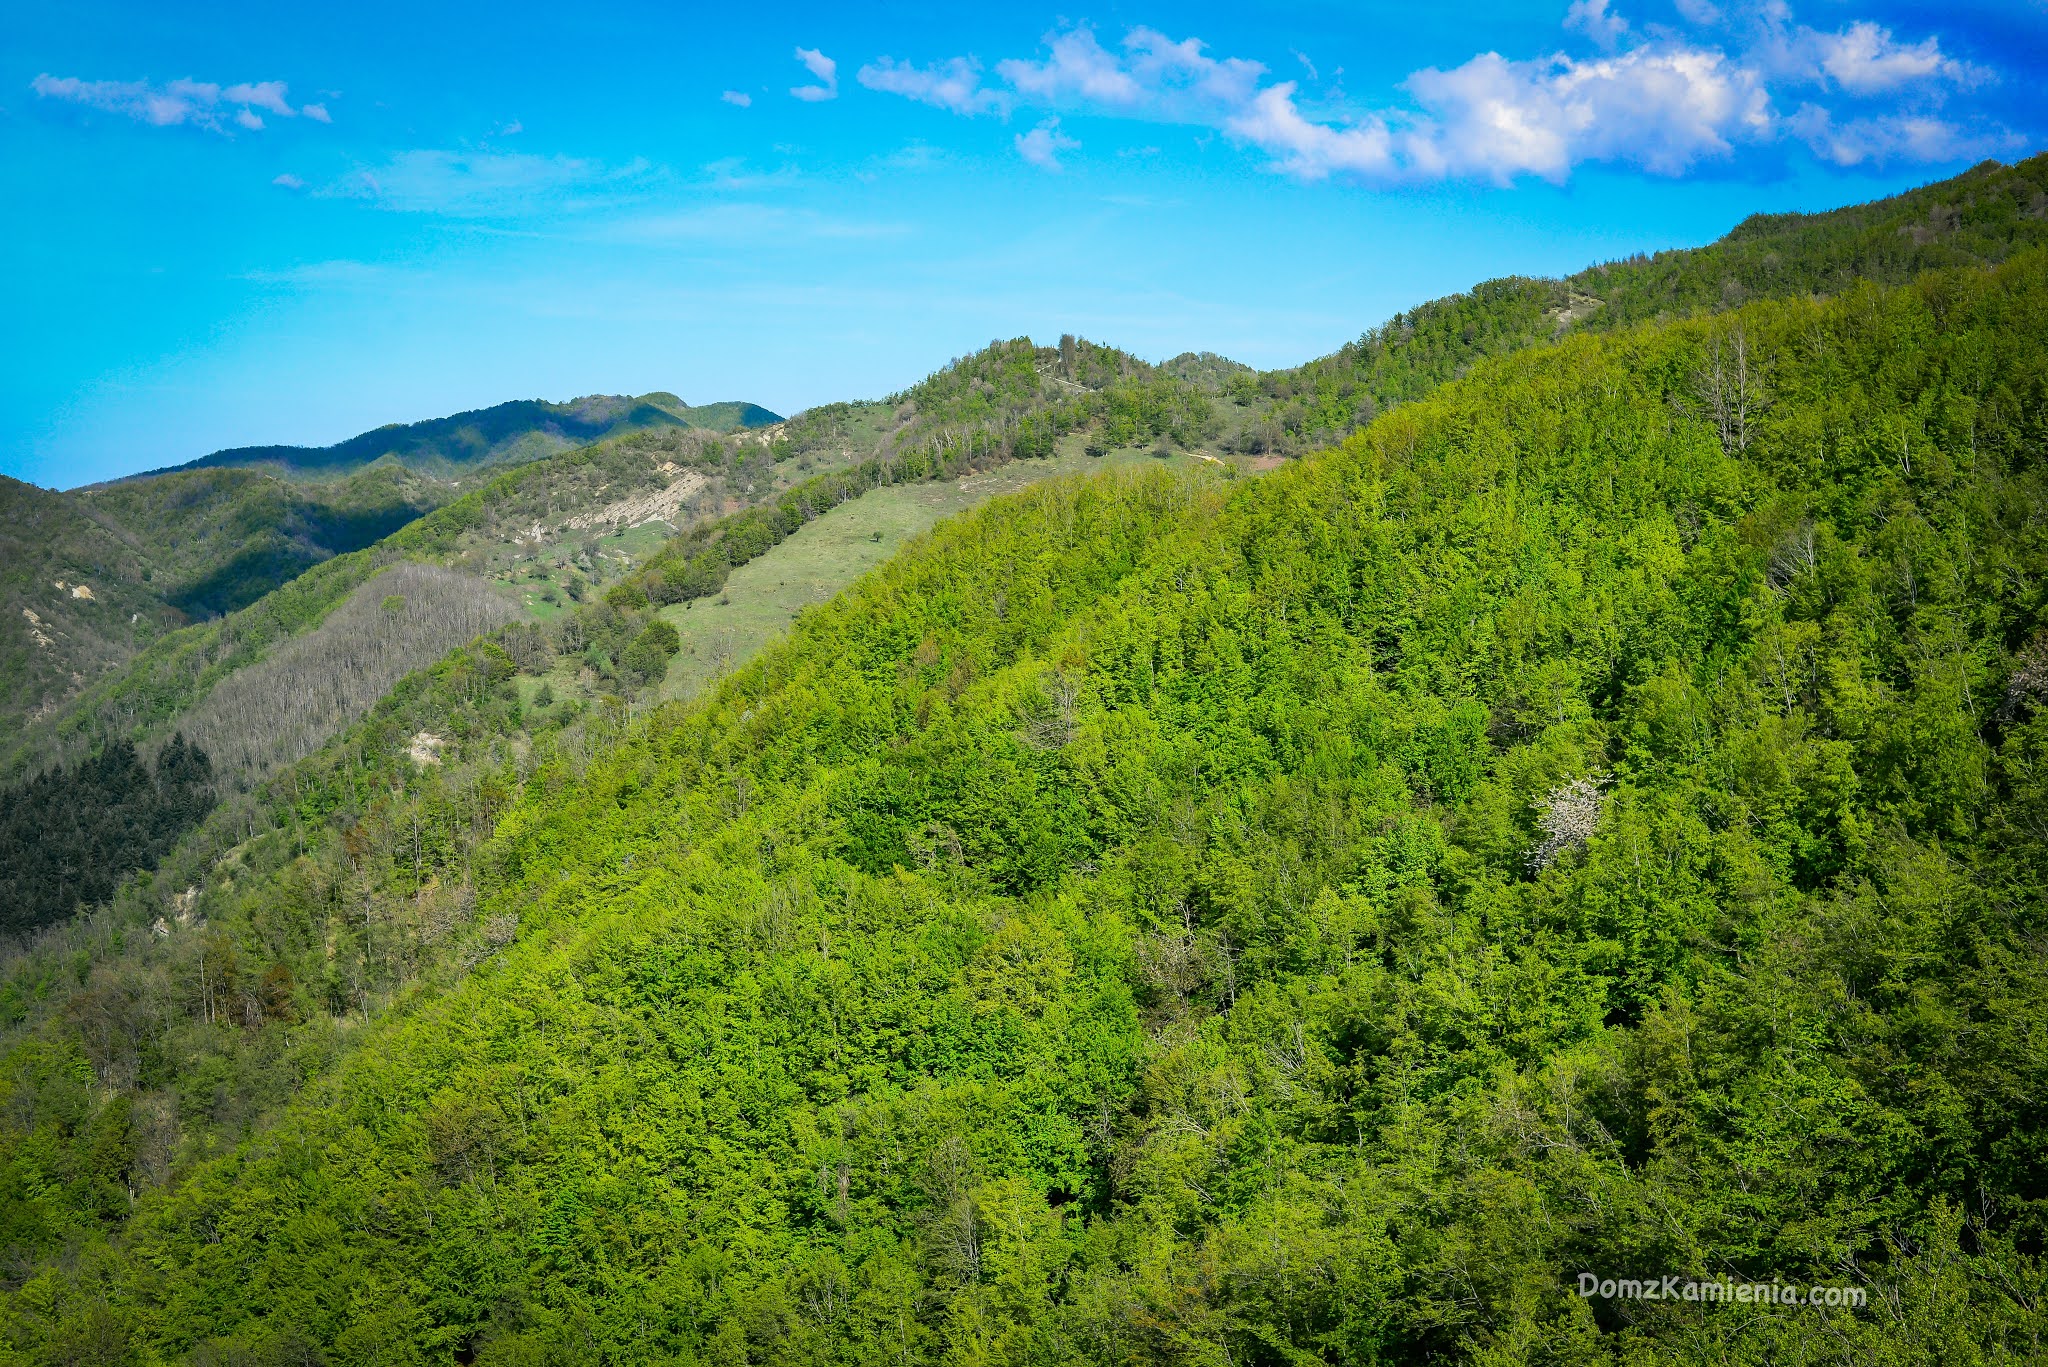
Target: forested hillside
(154, 552)
(1587, 820)
(1011, 400)
(296, 672)
(525, 429)
(217, 540)
(91, 578)
(53, 638)
(72, 835)
(542, 532)
(1978, 218)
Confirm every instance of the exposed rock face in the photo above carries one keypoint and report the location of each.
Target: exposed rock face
(658, 505)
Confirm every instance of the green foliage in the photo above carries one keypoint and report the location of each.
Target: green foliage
(1114, 931)
(220, 539)
(173, 1021)
(525, 429)
(70, 835)
(647, 658)
(1585, 821)
(1980, 217)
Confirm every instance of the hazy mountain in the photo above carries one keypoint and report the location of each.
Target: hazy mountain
(522, 429)
(90, 577)
(77, 597)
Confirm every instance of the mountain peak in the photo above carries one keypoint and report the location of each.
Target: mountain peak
(504, 434)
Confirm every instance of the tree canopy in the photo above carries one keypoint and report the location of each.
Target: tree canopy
(1588, 820)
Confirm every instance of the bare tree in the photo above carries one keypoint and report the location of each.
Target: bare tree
(1730, 388)
(1571, 813)
(1050, 723)
(2029, 678)
(285, 706)
(1793, 556)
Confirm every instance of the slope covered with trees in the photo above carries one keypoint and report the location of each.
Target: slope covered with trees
(53, 639)
(212, 537)
(524, 429)
(218, 540)
(1978, 218)
(533, 529)
(1587, 821)
(70, 836)
(90, 578)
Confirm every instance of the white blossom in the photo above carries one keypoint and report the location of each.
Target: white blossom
(1570, 815)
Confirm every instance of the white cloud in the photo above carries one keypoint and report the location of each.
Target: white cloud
(136, 99)
(1663, 109)
(1079, 69)
(954, 85)
(288, 181)
(1865, 59)
(473, 184)
(1892, 138)
(200, 104)
(261, 95)
(738, 97)
(1310, 150)
(1656, 99)
(1591, 18)
(825, 69)
(1042, 145)
(195, 93)
(1155, 76)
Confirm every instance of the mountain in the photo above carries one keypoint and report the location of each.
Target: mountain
(90, 578)
(76, 598)
(219, 539)
(1017, 399)
(144, 555)
(1321, 913)
(1582, 819)
(523, 429)
(1978, 218)
(541, 535)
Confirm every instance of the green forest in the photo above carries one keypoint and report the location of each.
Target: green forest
(69, 835)
(1585, 815)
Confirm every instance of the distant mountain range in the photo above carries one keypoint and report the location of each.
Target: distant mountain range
(89, 577)
(503, 434)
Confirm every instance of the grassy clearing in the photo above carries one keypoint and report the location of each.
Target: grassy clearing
(764, 596)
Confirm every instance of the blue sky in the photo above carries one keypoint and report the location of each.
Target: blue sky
(238, 224)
